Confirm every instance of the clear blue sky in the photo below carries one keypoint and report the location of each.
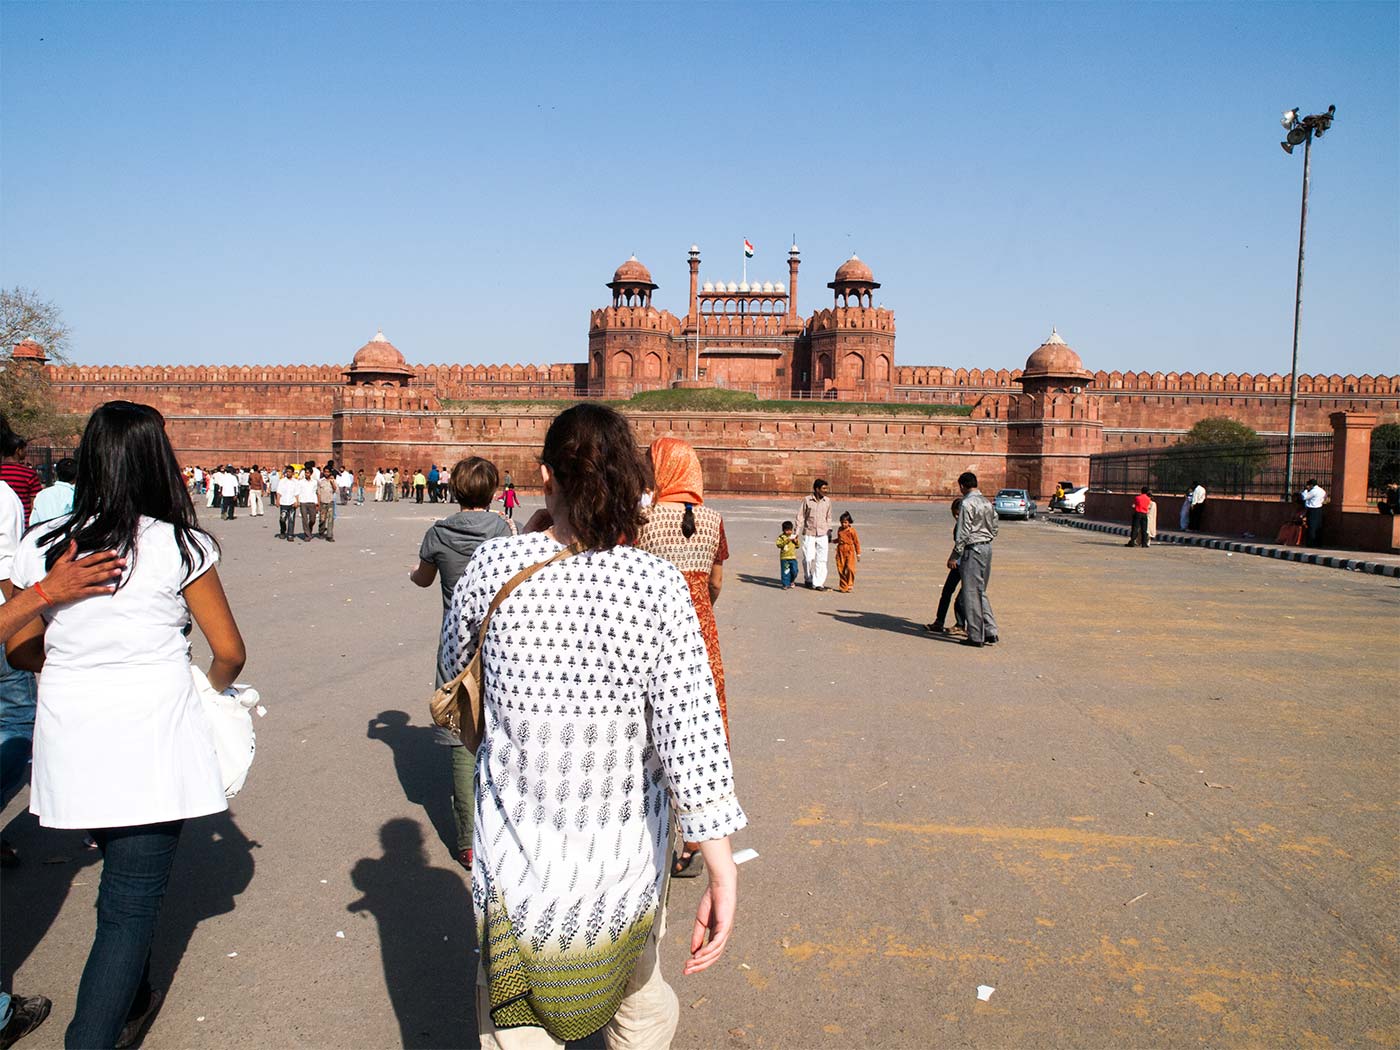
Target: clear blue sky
(228, 183)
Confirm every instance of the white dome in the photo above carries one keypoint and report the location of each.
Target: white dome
(744, 286)
(778, 286)
(767, 286)
(733, 287)
(709, 286)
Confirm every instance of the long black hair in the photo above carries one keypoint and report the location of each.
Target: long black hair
(126, 470)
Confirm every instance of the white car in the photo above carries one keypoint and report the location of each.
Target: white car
(1072, 501)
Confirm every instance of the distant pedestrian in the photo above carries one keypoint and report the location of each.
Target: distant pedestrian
(1184, 518)
(360, 488)
(788, 549)
(1137, 532)
(420, 483)
(847, 553)
(288, 497)
(814, 530)
(511, 500)
(244, 479)
(972, 557)
(1198, 506)
(307, 501)
(951, 584)
(1314, 497)
(325, 507)
(56, 500)
(228, 492)
(256, 487)
(433, 477)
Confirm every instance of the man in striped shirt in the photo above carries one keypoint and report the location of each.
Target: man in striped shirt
(18, 474)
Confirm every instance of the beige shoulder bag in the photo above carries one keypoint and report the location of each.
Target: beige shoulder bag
(456, 705)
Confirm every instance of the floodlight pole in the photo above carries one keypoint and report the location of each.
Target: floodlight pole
(1298, 310)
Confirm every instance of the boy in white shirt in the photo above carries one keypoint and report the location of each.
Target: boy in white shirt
(306, 500)
(287, 507)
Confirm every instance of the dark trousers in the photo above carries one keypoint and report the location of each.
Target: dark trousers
(136, 866)
(308, 519)
(950, 584)
(227, 503)
(242, 495)
(1314, 525)
(1194, 518)
(1137, 537)
(787, 566)
(975, 566)
(418, 490)
(287, 521)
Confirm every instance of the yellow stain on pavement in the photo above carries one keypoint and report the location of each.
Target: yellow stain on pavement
(815, 815)
(1060, 836)
(1044, 922)
(1208, 1002)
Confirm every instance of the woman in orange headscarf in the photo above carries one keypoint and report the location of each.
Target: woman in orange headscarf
(690, 535)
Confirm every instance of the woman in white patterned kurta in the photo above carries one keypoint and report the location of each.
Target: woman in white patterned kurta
(600, 706)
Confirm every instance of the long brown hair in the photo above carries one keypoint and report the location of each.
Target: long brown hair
(592, 453)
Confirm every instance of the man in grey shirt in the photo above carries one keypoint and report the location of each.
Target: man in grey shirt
(972, 557)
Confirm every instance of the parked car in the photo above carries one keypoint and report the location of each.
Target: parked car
(1072, 501)
(1014, 503)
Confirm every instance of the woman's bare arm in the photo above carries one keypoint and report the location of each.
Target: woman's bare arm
(209, 606)
(716, 581)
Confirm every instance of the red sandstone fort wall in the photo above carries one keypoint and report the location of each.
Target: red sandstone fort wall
(777, 454)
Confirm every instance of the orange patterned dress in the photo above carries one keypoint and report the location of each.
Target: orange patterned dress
(695, 557)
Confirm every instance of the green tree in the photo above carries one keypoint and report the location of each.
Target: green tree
(1224, 455)
(25, 395)
(1385, 455)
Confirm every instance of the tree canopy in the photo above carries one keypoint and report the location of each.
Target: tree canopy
(25, 397)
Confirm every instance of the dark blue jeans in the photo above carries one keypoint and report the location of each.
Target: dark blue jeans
(136, 864)
(18, 698)
(789, 570)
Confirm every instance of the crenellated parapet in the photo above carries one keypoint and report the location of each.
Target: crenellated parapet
(184, 374)
(869, 318)
(646, 318)
(1160, 382)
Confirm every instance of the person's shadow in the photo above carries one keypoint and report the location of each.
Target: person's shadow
(877, 621)
(34, 890)
(760, 581)
(427, 938)
(424, 769)
(213, 865)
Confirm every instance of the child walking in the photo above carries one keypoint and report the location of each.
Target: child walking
(847, 552)
(787, 555)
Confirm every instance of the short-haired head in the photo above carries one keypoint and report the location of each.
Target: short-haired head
(819, 486)
(66, 469)
(474, 481)
(788, 526)
(967, 481)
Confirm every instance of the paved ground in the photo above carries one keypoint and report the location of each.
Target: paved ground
(1162, 812)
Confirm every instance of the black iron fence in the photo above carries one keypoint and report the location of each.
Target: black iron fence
(1253, 468)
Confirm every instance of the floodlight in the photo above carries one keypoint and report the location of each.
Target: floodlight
(1296, 136)
(1289, 115)
(1287, 147)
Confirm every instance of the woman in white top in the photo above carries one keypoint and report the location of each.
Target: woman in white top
(600, 708)
(122, 746)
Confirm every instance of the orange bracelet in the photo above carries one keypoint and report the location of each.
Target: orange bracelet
(39, 590)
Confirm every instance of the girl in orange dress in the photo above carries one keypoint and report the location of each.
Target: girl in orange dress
(690, 535)
(847, 552)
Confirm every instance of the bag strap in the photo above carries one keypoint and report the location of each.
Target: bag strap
(514, 582)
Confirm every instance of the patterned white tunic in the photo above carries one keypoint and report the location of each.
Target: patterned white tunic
(599, 706)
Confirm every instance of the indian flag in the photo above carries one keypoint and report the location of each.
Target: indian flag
(748, 249)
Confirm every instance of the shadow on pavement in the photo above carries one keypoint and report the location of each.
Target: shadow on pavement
(213, 865)
(877, 621)
(33, 892)
(427, 938)
(424, 769)
(761, 581)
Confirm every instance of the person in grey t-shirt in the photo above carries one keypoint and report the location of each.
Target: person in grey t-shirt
(447, 549)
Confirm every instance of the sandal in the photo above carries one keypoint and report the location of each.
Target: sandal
(687, 864)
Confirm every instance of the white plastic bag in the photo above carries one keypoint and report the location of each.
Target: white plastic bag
(231, 725)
